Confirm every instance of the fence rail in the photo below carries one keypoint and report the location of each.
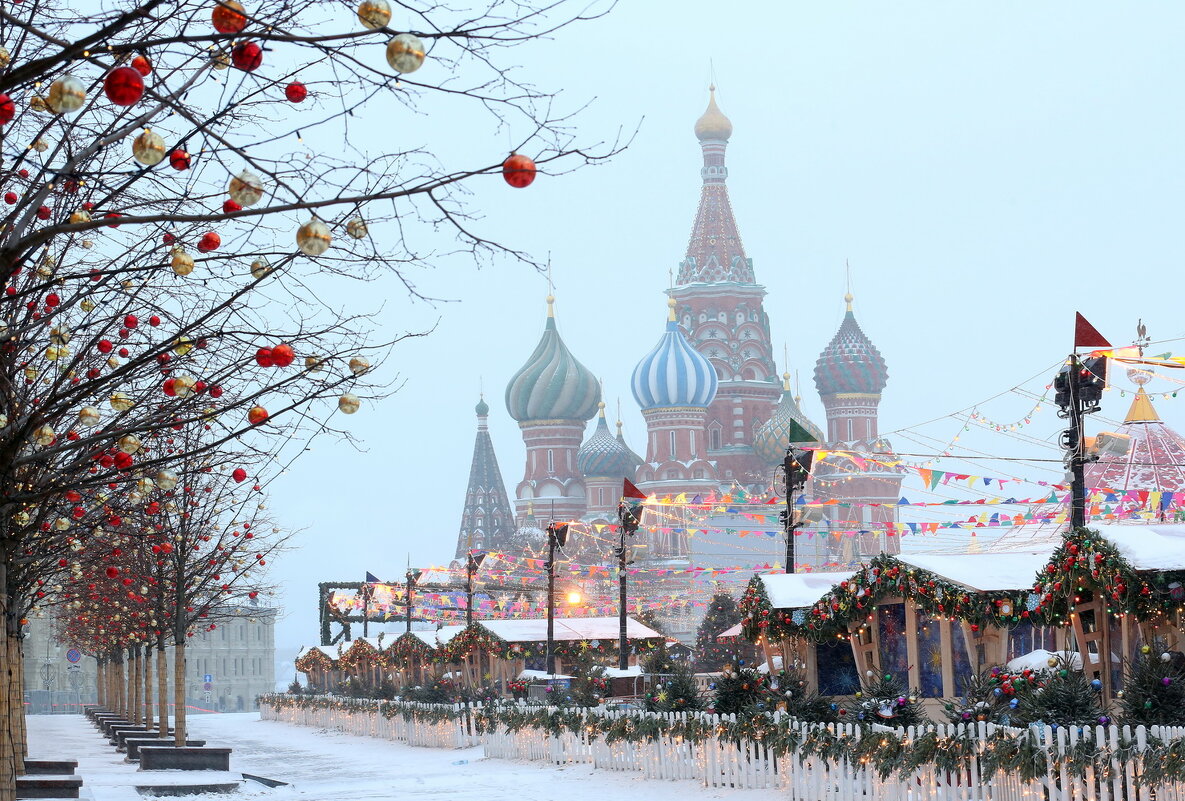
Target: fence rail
(1095, 763)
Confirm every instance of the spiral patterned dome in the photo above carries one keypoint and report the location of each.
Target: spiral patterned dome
(850, 362)
(552, 385)
(674, 373)
(605, 455)
(788, 424)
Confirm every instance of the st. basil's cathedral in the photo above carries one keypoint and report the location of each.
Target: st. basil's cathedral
(718, 418)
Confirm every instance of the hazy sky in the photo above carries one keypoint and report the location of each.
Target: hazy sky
(986, 169)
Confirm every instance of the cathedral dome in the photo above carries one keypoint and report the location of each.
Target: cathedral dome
(674, 373)
(552, 385)
(788, 424)
(850, 363)
(482, 408)
(605, 455)
(712, 124)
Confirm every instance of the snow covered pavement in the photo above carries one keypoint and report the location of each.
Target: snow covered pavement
(321, 765)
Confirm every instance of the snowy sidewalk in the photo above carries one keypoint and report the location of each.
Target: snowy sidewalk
(328, 766)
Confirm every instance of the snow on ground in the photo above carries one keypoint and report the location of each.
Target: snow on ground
(321, 765)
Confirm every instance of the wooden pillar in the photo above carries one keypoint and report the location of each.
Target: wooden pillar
(911, 645)
(946, 643)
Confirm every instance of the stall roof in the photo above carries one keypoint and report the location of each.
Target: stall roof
(800, 590)
(566, 629)
(325, 649)
(1148, 547)
(985, 572)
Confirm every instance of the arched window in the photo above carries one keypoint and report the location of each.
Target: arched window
(550, 460)
(672, 436)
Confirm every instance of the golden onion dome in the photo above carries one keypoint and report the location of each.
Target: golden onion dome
(713, 124)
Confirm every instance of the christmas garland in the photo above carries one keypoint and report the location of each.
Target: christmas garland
(1021, 752)
(314, 659)
(1084, 561)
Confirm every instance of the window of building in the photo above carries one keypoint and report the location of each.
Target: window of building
(714, 437)
(699, 472)
(693, 448)
(672, 475)
(600, 496)
(550, 461)
(672, 436)
(851, 436)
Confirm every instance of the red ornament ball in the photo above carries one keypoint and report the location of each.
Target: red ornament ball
(7, 109)
(124, 86)
(229, 206)
(239, 475)
(518, 171)
(209, 241)
(228, 16)
(131, 321)
(296, 92)
(282, 355)
(43, 212)
(112, 572)
(263, 357)
(142, 65)
(256, 415)
(10, 198)
(247, 56)
(179, 160)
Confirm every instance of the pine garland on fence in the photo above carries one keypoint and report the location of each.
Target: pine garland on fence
(1020, 752)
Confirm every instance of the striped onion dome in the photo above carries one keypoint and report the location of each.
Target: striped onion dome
(850, 363)
(674, 373)
(788, 424)
(552, 385)
(604, 455)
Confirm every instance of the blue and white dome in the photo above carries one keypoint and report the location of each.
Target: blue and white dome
(674, 374)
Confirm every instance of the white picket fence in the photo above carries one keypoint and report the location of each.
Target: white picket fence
(718, 763)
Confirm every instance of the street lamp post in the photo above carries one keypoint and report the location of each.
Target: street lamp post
(471, 565)
(629, 513)
(557, 535)
(412, 577)
(797, 469)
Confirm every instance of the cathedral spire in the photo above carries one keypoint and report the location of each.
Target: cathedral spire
(715, 253)
(486, 521)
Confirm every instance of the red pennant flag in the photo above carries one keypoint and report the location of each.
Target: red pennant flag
(628, 490)
(1086, 335)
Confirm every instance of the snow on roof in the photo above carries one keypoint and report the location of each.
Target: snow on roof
(985, 572)
(446, 633)
(373, 642)
(731, 631)
(542, 674)
(1148, 547)
(630, 672)
(325, 649)
(572, 628)
(799, 590)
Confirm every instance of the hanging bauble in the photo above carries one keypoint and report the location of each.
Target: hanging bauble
(313, 363)
(148, 148)
(1051, 661)
(7, 109)
(282, 355)
(296, 92)
(209, 241)
(66, 94)
(374, 13)
(518, 170)
(356, 228)
(359, 365)
(142, 65)
(112, 572)
(166, 480)
(120, 402)
(246, 56)
(260, 268)
(263, 357)
(182, 345)
(179, 160)
(313, 238)
(230, 207)
(348, 403)
(220, 58)
(182, 262)
(124, 86)
(44, 435)
(88, 416)
(228, 16)
(239, 475)
(5, 58)
(183, 385)
(79, 217)
(130, 443)
(405, 53)
(246, 188)
(256, 415)
(55, 352)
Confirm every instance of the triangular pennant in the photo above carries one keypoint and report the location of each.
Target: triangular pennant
(1086, 335)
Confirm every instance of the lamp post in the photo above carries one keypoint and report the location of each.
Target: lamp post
(797, 469)
(412, 577)
(471, 565)
(629, 513)
(557, 535)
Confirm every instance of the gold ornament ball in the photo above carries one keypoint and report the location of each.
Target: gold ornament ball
(4, 57)
(21, 518)
(120, 402)
(166, 480)
(374, 13)
(356, 228)
(313, 363)
(148, 148)
(41, 146)
(87, 305)
(1145, 649)
(1051, 661)
(348, 403)
(182, 262)
(59, 336)
(183, 385)
(61, 524)
(313, 238)
(246, 188)
(129, 443)
(66, 94)
(37, 103)
(182, 346)
(358, 365)
(43, 435)
(260, 268)
(221, 59)
(80, 216)
(55, 352)
(405, 53)
(88, 416)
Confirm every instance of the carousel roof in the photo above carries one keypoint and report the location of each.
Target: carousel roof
(1154, 462)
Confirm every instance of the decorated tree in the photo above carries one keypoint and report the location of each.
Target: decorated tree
(989, 696)
(741, 690)
(722, 614)
(1154, 688)
(884, 699)
(790, 691)
(183, 181)
(1061, 696)
(675, 692)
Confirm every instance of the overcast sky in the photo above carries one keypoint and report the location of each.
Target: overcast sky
(986, 169)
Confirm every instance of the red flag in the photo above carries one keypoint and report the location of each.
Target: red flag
(628, 490)
(1086, 335)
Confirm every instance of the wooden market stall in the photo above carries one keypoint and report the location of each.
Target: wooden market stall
(319, 664)
(413, 657)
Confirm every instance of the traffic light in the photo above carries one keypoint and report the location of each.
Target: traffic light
(1092, 380)
(798, 467)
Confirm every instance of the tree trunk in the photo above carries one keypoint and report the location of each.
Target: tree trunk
(8, 749)
(179, 692)
(16, 656)
(134, 689)
(162, 691)
(121, 684)
(148, 722)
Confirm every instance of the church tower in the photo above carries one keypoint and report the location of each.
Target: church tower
(719, 306)
(552, 397)
(605, 461)
(486, 521)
